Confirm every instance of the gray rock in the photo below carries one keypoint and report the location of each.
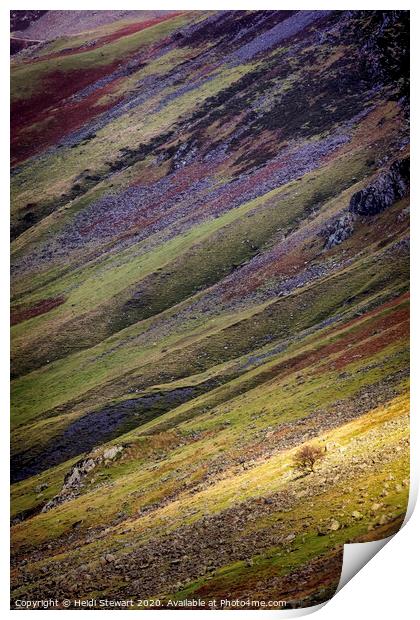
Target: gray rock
(74, 479)
(339, 231)
(112, 452)
(387, 189)
(41, 487)
(334, 525)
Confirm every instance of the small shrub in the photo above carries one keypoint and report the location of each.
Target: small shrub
(306, 457)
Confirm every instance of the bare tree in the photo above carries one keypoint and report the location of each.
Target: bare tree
(306, 457)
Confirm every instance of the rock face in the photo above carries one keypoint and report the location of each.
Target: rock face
(74, 479)
(385, 191)
(388, 188)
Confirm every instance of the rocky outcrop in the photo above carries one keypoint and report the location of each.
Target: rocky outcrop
(74, 479)
(387, 188)
(184, 155)
(339, 230)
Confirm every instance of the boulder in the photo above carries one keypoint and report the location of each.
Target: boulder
(339, 230)
(112, 452)
(41, 487)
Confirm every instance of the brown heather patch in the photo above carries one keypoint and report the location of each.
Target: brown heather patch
(113, 36)
(42, 120)
(21, 313)
(370, 346)
(366, 330)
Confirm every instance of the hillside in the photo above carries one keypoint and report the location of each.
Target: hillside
(210, 241)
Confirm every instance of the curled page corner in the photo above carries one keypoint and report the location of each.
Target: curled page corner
(412, 496)
(357, 555)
